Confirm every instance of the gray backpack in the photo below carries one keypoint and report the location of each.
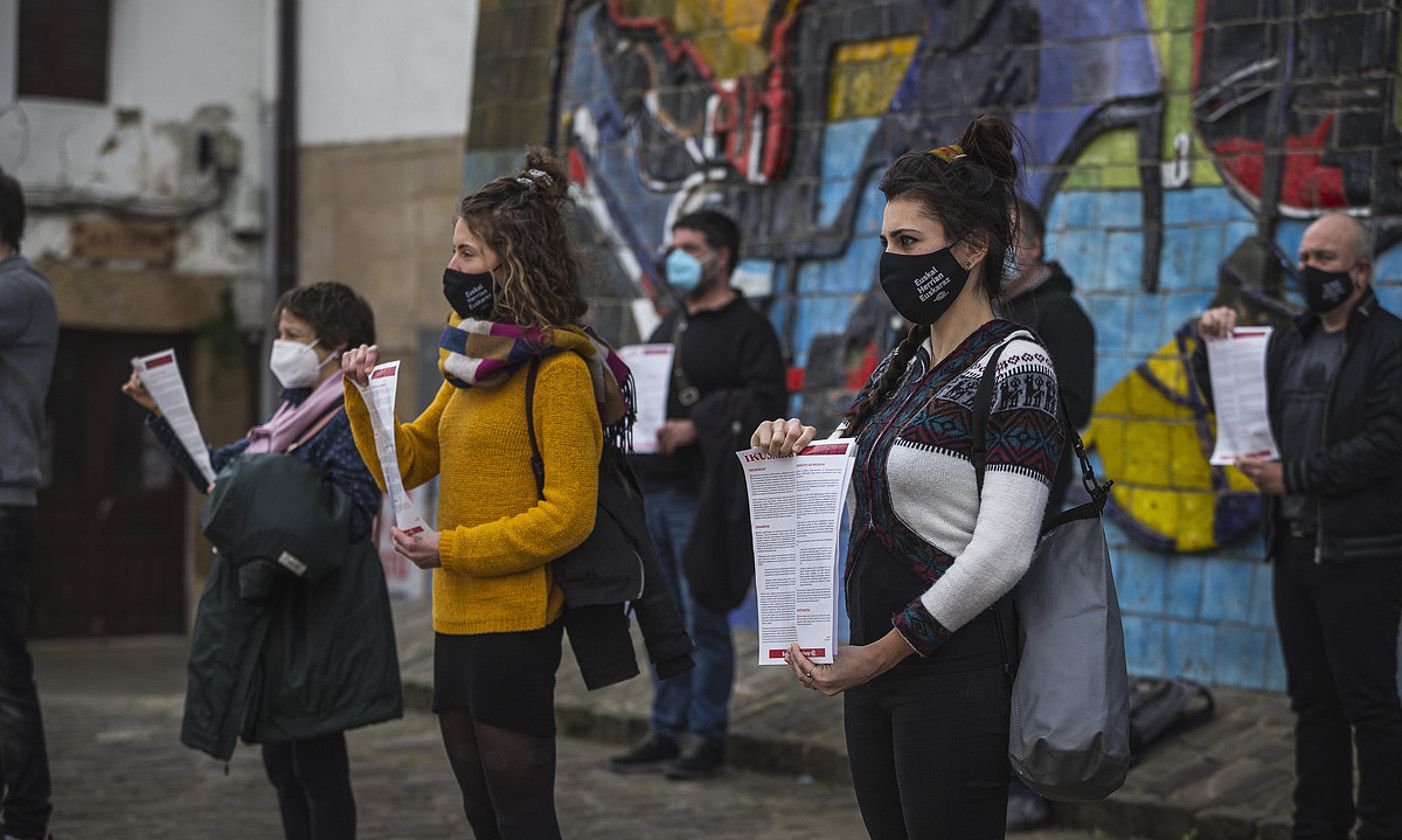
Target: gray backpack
(1069, 730)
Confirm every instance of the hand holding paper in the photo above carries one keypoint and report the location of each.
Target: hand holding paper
(421, 548)
(358, 362)
(780, 438)
(795, 517)
(1238, 365)
(379, 400)
(158, 376)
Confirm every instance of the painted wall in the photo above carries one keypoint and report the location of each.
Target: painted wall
(1162, 136)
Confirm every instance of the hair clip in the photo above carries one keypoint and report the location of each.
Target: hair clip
(534, 176)
(948, 154)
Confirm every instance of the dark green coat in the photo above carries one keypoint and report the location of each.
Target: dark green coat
(293, 637)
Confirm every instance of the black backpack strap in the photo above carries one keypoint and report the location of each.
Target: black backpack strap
(537, 464)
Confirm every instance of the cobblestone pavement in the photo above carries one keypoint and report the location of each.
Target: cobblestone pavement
(113, 715)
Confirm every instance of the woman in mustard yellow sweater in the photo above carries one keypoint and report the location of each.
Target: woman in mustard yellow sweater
(513, 287)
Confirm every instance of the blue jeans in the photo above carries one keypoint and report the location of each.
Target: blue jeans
(696, 701)
(24, 761)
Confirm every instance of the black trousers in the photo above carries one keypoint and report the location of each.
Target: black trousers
(1338, 633)
(928, 744)
(312, 778)
(24, 762)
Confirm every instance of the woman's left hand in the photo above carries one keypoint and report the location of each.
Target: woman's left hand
(852, 664)
(421, 549)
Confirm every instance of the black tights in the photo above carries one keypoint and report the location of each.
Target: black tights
(312, 778)
(507, 778)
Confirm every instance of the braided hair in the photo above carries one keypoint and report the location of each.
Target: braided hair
(970, 189)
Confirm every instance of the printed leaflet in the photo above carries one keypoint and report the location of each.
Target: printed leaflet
(379, 399)
(796, 515)
(1238, 365)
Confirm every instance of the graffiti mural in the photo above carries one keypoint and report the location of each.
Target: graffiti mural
(1178, 150)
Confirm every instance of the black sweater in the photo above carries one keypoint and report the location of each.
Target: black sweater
(1053, 314)
(733, 347)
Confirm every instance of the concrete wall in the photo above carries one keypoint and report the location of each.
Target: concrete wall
(375, 71)
(384, 112)
(1155, 131)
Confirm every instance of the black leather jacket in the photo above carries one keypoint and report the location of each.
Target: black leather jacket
(1356, 478)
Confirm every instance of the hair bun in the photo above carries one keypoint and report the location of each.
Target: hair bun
(989, 141)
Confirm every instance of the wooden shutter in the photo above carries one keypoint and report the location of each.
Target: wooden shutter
(63, 48)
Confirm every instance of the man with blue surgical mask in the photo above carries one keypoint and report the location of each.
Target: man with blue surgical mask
(728, 374)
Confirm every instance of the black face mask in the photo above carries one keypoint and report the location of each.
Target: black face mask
(470, 295)
(924, 286)
(1324, 290)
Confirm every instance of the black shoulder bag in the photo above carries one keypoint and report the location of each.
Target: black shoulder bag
(1069, 737)
(607, 568)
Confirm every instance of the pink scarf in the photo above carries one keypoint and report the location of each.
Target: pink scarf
(290, 421)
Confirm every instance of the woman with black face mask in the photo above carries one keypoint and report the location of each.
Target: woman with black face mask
(931, 559)
(513, 285)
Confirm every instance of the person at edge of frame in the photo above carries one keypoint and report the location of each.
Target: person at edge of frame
(1332, 518)
(28, 344)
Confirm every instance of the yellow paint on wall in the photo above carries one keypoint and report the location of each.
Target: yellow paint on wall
(863, 76)
(1172, 22)
(1150, 446)
(1110, 162)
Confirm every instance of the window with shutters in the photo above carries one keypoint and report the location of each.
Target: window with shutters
(63, 48)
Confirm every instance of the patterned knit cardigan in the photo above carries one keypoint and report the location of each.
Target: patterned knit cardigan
(915, 487)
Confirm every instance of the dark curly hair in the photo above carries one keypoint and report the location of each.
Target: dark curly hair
(974, 198)
(340, 317)
(521, 218)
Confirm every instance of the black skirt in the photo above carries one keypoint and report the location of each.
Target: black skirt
(503, 679)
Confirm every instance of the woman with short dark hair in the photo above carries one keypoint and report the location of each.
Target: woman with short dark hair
(316, 628)
(931, 558)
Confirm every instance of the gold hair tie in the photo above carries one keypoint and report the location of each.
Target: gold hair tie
(948, 154)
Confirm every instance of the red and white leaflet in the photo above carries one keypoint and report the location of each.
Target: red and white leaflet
(796, 516)
(651, 365)
(379, 399)
(160, 375)
(1238, 365)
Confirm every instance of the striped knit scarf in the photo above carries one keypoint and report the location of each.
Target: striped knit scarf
(484, 354)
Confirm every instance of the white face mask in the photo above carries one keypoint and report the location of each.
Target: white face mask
(295, 364)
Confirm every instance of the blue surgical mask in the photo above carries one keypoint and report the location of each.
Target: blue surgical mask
(683, 271)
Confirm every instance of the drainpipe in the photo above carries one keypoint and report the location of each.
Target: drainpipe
(280, 255)
(286, 172)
